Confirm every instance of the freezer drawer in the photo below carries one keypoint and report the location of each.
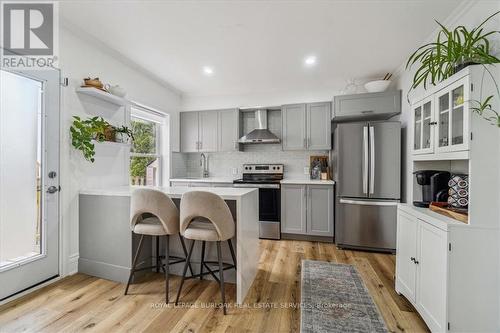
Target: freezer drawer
(366, 224)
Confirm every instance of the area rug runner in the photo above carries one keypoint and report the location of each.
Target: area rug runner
(335, 299)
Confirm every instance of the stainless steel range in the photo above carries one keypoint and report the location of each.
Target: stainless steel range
(267, 178)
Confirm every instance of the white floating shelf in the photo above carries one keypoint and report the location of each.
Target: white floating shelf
(111, 143)
(102, 95)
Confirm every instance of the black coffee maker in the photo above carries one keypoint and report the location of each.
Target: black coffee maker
(434, 186)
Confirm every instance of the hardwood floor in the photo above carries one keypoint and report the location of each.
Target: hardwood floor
(85, 303)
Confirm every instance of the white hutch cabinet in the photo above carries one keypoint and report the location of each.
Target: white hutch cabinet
(450, 270)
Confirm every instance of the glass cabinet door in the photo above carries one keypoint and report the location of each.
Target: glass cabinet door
(443, 119)
(417, 126)
(426, 125)
(457, 116)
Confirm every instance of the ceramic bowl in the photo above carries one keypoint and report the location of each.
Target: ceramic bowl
(377, 86)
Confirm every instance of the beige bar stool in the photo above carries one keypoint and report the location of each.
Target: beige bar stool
(206, 217)
(153, 213)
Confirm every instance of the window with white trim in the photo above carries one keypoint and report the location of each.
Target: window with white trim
(146, 151)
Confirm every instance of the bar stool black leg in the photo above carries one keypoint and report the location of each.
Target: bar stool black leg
(221, 277)
(202, 259)
(188, 258)
(185, 253)
(232, 252)
(158, 260)
(167, 266)
(134, 262)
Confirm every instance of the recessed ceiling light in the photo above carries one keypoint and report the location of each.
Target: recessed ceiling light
(207, 70)
(310, 61)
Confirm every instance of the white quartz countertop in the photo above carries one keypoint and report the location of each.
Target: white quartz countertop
(203, 180)
(307, 181)
(227, 193)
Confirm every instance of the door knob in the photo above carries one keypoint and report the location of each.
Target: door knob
(53, 189)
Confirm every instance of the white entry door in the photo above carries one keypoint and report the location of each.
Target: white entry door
(29, 179)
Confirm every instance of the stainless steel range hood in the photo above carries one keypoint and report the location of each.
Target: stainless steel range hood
(260, 134)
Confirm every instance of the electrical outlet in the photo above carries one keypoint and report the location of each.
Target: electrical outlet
(306, 170)
(234, 171)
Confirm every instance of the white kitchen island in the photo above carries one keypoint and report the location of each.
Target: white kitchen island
(107, 245)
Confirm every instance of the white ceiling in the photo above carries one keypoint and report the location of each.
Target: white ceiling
(259, 46)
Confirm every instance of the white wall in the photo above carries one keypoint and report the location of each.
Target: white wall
(81, 57)
(471, 15)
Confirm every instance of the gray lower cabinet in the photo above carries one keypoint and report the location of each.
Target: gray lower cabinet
(293, 209)
(306, 126)
(320, 210)
(229, 130)
(307, 210)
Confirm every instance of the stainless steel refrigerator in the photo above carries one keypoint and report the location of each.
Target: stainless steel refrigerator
(368, 174)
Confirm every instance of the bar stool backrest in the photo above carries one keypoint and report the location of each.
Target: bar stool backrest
(146, 200)
(210, 206)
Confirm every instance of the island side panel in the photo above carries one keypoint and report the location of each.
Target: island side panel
(106, 243)
(247, 248)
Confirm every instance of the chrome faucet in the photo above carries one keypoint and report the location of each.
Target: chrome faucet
(204, 164)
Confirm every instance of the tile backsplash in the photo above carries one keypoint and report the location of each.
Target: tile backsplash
(228, 164)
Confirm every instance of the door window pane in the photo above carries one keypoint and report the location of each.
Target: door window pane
(457, 126)
(443, 121)
(21, 195)
(426, 126)
(443, 128)
(418, 128)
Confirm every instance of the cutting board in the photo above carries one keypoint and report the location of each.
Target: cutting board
(442, 208)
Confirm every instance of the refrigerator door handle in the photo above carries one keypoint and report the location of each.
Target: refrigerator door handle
(365, 159)
(372, 160)
(369, 203)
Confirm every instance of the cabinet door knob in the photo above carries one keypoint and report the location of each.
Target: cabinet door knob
(412, 259)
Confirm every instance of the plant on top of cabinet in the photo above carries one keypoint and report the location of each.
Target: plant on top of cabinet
(452, 51)
(84, 132)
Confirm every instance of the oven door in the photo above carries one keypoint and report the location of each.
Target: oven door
(269, 213)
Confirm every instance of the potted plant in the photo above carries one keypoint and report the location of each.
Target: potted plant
(452, 51)
(123, 134)
(87, 131)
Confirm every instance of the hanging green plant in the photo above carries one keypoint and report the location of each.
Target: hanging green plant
(451, 52)
(85, 132)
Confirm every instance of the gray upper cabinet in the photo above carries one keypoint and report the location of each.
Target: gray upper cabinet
(307, 210)
(229, 133)
(294, 127)
(320, 210)
(189, 132)
(319, 126)
(208, 125)
(306, 126)
(381, 105)
(293, 209)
